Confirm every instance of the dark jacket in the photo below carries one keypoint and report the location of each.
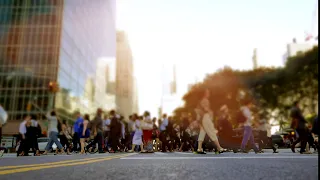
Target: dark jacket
(115, 127)
(315, 126)
(298, 121)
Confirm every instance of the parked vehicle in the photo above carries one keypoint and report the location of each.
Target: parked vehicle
(235, 142)
(278, 141)
(287, 135)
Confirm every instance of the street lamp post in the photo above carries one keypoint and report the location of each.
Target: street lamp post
(53, 89)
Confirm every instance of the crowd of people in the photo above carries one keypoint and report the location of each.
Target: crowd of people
(112, 132)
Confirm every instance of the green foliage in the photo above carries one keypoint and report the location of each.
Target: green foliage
(271, 88)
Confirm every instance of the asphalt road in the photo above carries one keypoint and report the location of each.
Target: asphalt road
(284, 165)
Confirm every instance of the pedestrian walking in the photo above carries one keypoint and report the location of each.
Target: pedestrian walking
(205, 116)
(84, 132)
(53, 132)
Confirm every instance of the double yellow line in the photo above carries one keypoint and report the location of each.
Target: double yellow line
(32, 167)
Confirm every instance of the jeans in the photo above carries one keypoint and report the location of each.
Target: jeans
(53, 138)
(248, 135)
(130, 140)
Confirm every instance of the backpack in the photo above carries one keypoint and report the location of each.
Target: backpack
(240, 117)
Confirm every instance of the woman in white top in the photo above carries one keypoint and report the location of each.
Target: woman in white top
(137, 137)
(205, 116)
(53, 132)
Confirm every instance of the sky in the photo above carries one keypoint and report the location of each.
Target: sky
(201, 36)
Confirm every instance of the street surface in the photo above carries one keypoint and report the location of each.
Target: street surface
(178, 165)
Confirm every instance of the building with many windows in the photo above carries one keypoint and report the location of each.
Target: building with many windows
(53, 41)
(126, 100)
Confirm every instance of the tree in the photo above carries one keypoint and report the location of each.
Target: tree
(273, 89)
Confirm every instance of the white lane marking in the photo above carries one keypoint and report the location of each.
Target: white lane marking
(183, 153)
(160, 153)
(242, 157)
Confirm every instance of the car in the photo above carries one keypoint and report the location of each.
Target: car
(42, 143)
(288, 136)
(277, 141)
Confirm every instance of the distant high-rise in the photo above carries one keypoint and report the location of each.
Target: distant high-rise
(255, 59)
(110, 78)
(135, 96)
(125, 93)
(169, 97)
(174, 81)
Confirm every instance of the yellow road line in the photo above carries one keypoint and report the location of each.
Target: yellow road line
(51, 163)
(12, 171)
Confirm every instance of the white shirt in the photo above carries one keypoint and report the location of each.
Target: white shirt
(131, 126)
(3, 115)
(147, 123)
(22, 127)
(107, 123)
(247, 113)
(34, 123)
(164, 124)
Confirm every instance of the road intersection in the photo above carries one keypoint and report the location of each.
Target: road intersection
(176, 165)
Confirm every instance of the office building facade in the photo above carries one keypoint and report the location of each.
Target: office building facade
(125, 87)
(53, 41)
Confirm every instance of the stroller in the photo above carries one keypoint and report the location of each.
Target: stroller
(90, 146)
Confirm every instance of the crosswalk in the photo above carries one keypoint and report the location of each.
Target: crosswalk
(210, 157)
(190, 155)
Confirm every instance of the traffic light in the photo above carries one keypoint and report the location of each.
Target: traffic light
(53, 87)
(29, 105)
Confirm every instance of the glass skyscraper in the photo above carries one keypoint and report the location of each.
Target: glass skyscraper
(52, 40)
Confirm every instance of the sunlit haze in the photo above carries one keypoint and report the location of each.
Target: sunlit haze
(201, 36)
